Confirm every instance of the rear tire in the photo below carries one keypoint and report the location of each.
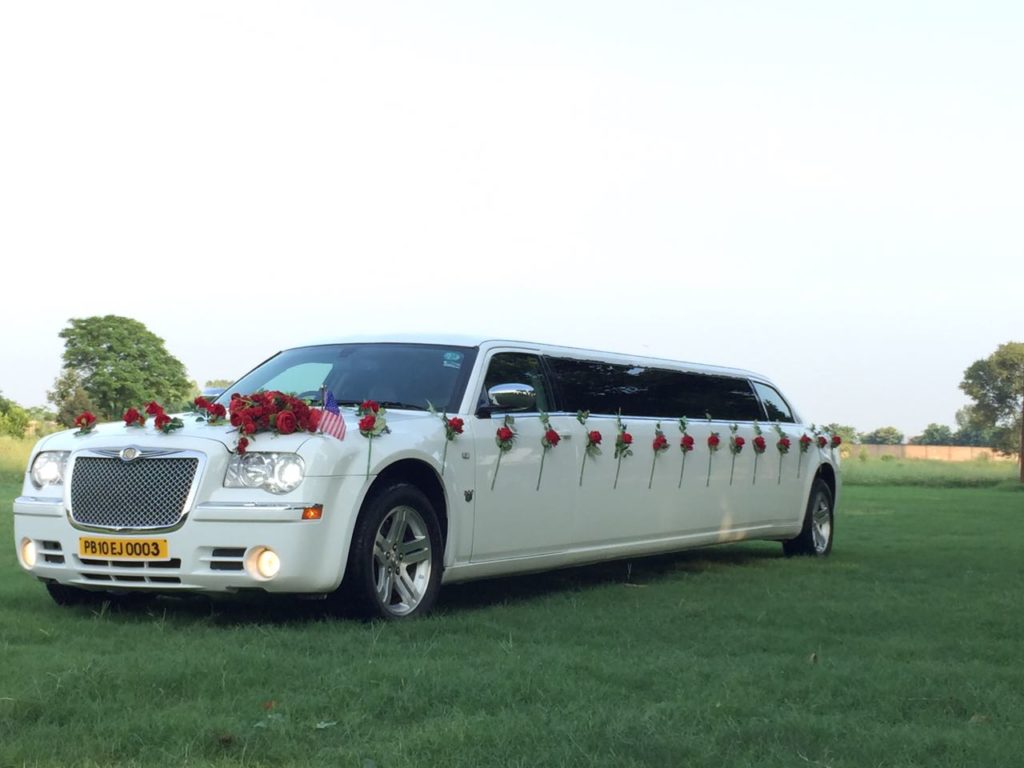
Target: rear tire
(395, 561)
(815, 538)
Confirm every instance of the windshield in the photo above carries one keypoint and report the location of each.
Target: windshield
(395, 375)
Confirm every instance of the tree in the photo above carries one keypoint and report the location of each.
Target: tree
(968, 432)
(39, 413)
(996, 384)
(13, 419)
(222, 383)
(934, 434)
(41, 421)
(882, 436)
(119, 363)
(69, 397)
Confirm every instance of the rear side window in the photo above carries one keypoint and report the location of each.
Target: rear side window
(723, 398)
(607, 388)
(774, 404)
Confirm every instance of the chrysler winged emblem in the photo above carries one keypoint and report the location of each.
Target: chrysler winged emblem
(130, 454)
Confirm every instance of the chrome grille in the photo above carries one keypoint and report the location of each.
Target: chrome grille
(146, 493)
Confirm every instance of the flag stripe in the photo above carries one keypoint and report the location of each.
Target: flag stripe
(332, 422)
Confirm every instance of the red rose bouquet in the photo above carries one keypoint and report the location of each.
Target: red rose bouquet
(161, 420)
(805, 445)
(714, 441)
(504, 437)
(215, 412)
(736, 443)
(85, 421)
(782, 445)
(548, 440)
(373, 423)
(760, 446)
(166, 424)
(685, 445)
(452, 429)
(265, 412)
(623, 443)
(593, 446)
(659, 445)
(132, 418)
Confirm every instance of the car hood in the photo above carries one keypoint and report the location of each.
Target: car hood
(195, 428)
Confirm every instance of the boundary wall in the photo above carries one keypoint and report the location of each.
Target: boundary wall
(934, 452)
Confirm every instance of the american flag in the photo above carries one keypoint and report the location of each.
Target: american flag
(332, 422)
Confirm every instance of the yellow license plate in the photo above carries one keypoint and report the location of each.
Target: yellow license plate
(123, 549)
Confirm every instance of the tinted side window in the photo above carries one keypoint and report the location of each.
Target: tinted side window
(607, 388)
(723, 397)
(776, 407)
(516, 368)
(598, 387)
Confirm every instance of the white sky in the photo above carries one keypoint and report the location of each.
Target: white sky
(829, 193)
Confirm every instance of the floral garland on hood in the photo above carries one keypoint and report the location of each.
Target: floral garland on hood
(270, 412)
(250, 414)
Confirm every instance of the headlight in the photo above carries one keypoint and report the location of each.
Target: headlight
(273, 472)
(48, 468)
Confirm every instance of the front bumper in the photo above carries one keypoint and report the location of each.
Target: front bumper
(213, 551)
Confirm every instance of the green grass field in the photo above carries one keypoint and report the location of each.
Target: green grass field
(902, 649)
(935, 474)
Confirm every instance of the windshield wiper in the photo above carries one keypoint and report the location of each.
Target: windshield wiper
(402, 406)
(386, 403)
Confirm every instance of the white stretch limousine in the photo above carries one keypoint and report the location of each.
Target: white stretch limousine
(393, 466)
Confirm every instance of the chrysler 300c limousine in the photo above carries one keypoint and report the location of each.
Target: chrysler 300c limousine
(371, 472)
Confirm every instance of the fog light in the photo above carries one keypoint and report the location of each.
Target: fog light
(267, 563)
(28, 553)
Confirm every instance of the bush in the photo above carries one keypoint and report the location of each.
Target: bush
(14, 457)
(13, 420)
(930, 473)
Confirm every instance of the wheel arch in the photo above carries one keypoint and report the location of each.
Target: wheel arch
(421, 475)
(356, 594)
(828, 474)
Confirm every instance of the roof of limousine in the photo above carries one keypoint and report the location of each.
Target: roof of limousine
(466, 340)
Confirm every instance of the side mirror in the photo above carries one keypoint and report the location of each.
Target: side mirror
(512, 397)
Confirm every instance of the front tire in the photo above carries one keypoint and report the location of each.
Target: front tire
(815, 538)
(64, 595)
(395, 562)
